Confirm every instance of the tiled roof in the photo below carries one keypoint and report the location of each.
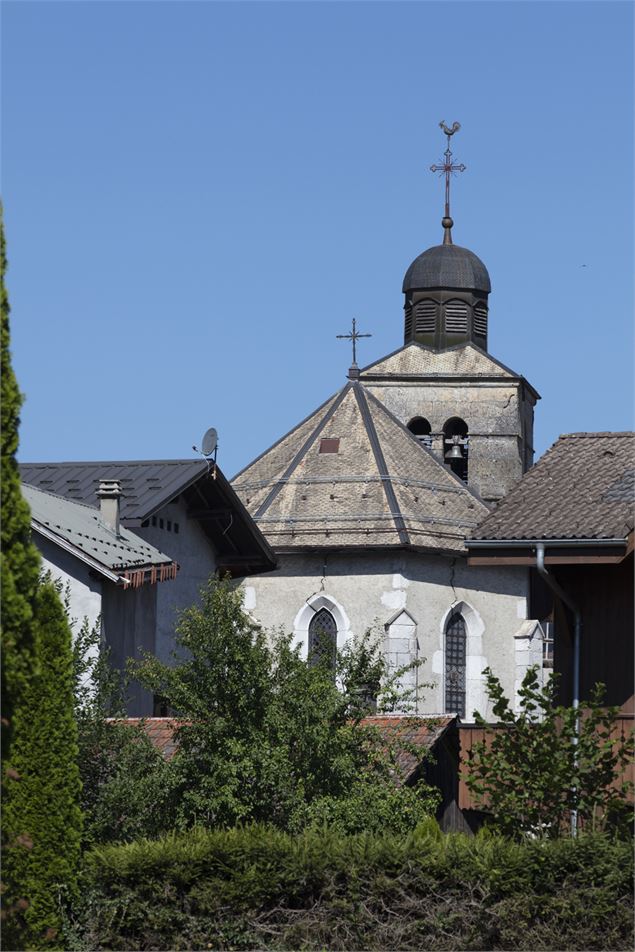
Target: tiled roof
(352, 475)
(160, 731)
(147, 485)
(421, 730)
(582, 488)
(80, 527)
(417, 360)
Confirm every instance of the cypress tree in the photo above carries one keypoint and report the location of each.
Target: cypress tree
(43, 803)
(19, 560)
(40, 778)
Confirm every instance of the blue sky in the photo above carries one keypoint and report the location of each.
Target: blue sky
(200, 196)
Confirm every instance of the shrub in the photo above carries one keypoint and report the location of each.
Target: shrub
(270, 738)
(536, 768)
(125, 780)
(258, 887)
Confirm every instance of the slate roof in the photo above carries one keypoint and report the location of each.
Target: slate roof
(582, 488)
(75, 525)
(381, 487)
(447, 266)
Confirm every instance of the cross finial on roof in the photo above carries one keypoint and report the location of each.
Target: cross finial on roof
(354, 336)
(447, 168)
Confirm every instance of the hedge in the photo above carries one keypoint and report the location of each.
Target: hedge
(258, 888)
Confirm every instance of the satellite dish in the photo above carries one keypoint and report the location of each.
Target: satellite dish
(210, 442)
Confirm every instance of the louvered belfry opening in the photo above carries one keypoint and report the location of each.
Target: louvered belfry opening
(480, 322)
(442, 317)
(455, 651)
(323, 639)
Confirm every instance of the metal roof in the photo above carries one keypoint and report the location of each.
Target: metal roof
(78, 528)
(447, 266)
(149, 485)
(373, 484)
(582, 488)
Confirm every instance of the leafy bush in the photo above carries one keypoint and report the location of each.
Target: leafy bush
(268, 737)
(535, 769)
(258, 887)
(126, 783)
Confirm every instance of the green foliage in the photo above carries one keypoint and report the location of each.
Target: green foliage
(270, 738)
(258, 887)
(41, 814)
(19, 560)
(125, 781)
(533, 771)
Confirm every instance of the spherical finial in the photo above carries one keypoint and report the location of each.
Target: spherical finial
(447, 222)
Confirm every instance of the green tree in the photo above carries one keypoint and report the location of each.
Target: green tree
(267, 737)
(41, 818)
(19, 559)
(532, 771)
(125, 780)
(43, 801)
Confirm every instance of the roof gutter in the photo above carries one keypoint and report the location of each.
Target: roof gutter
(577, 633)
(525, 543)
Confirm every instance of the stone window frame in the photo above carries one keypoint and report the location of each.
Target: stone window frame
(474, 631)
(311, 607)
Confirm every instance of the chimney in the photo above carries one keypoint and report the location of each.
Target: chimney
(109, 494)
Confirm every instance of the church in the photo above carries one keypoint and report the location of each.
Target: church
(367, 502)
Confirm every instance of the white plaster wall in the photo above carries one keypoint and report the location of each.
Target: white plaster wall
(85, 591)
(194, 552)
(371, 589)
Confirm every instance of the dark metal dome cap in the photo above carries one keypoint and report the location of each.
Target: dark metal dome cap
(447, 266)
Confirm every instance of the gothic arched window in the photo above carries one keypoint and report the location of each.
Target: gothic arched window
(323, 639)
(455, 645)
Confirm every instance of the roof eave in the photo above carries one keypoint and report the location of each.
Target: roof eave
(111, 575)
(557, 551)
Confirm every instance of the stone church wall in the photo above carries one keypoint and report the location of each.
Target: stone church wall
(406, 598)
(499, 417)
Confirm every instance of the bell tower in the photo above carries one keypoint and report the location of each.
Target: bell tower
(470, 410)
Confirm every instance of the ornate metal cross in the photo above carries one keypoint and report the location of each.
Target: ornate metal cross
(448, 168)
(353, 337)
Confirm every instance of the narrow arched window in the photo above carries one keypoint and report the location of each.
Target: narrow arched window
(455, 644)
(455, 446)
(420, 428)
(323, 639)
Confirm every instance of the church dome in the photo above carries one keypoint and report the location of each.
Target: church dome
(447, 266)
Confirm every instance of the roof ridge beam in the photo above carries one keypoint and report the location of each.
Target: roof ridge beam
(380, 462)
